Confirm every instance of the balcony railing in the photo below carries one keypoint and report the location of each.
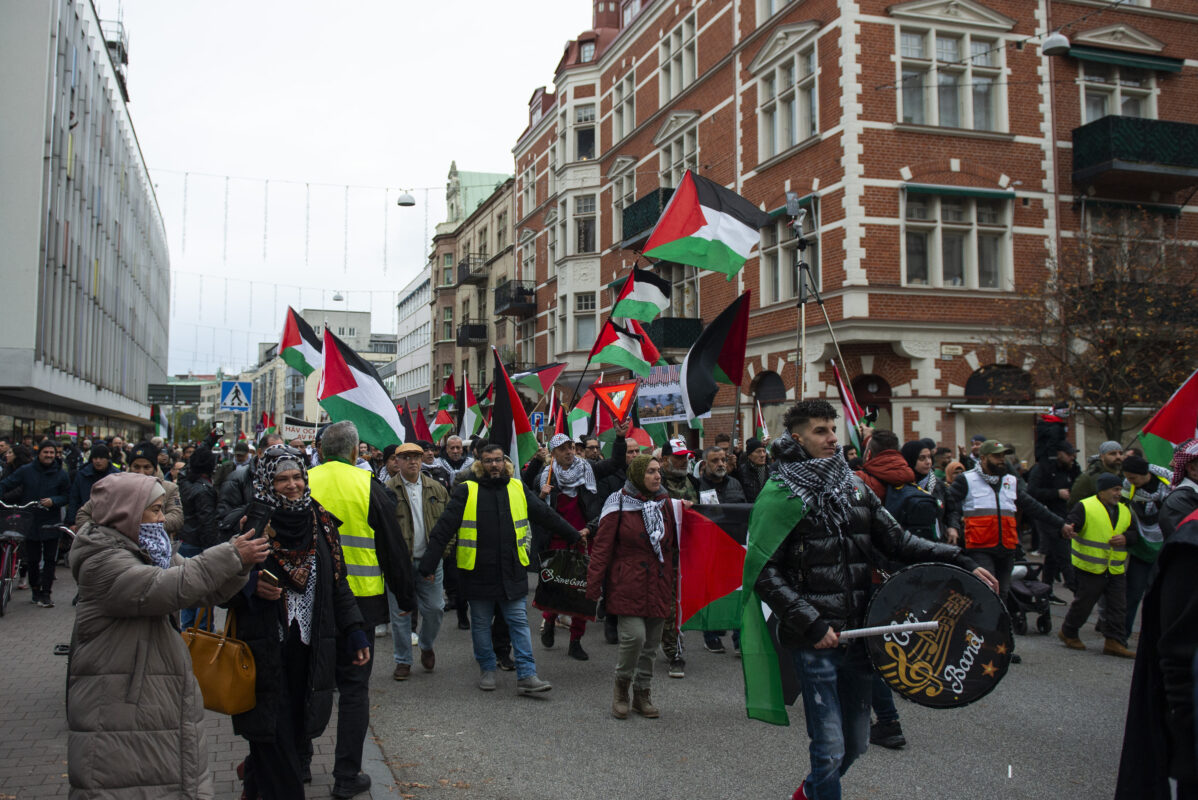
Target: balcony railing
(472, 269)
(641, 216)
(472, 333)
(674, 333)
(516, 298)
(1137, 153)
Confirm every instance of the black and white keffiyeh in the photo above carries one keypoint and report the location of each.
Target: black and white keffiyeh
(274, 459)
(152, 537)
(570, 478)
(825, 485)
(630, 499)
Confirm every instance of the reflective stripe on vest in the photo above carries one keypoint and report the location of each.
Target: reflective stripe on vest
(344, 491)
(989, 519)
(1092, 550)
(468, 531)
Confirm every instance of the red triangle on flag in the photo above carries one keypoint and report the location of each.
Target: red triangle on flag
(617, 397)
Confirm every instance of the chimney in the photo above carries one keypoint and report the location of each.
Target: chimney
(607, 14)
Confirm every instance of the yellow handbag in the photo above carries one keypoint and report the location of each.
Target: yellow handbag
(223, 666)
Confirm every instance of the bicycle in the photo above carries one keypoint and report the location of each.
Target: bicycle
(16, 522)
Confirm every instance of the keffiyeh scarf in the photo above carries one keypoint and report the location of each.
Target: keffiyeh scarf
(630, 499)
(579, 473)
(1186, 452)
(151, 537)
(825, 485)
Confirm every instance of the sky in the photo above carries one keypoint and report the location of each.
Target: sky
(279, 134)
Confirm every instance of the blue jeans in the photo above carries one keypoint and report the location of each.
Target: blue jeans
(883, 701)
(187, 616)
(430, 601)
(515, 613)
(837, 690)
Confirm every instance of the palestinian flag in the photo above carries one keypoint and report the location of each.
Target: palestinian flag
(644, 295)
(706, 226)
(448, 394)
(472, 413)
(628, 347)
(350, 389)
(300, 346)
(711, 562)
(717, 356)
(421, 425)
(853, 413)
(266, 424)
(510, 428)
(760, 432)
(770, 683)
(1175, 423)
(578, 421)
(162, 425)
(442, 426)
(405, 417)
(541, 378)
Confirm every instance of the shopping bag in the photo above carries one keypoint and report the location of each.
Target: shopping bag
(562, 588)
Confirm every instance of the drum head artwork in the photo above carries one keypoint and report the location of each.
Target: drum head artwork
(963, 659)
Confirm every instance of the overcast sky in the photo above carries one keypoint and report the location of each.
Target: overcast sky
(315, 97)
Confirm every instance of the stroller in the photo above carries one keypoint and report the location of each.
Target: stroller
(1029, 595)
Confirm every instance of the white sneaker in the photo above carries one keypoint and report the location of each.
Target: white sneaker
(415, 640)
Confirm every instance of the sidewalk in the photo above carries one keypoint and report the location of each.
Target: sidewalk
(33, 727)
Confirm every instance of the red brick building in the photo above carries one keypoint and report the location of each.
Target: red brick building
(941, 156)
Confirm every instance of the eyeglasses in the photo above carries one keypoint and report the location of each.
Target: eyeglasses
(492, 460)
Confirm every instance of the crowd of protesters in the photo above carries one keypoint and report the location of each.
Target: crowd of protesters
(367, 542)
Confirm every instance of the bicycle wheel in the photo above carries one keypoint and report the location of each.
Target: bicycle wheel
(6, 570)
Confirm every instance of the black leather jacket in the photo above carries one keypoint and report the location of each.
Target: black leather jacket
(820, 577)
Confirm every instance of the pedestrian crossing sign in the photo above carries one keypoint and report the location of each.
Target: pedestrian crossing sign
(236, 395)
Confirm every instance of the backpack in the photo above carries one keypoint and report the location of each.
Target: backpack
(917, 511)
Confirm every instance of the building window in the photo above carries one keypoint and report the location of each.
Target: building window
(1110, 89)
(955, 241)
(584, 223)
(528, 190)
(779, 249)
(447, 259)
(677, 57)
(629, 12)
(551, 242)
(950, 79)
(447, 276)
(624, 107)
(584, 301)
(767, 9)
(787, 113)
(586, 52)
(678, 155)
(562, 152)
(584, 132)
(500, 231)
(447, 323)
(584, 331)
(624, 189)
(528, 262)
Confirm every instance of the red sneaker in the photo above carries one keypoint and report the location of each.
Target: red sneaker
(799, 793)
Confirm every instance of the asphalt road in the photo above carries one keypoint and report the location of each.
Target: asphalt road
(1052, 729)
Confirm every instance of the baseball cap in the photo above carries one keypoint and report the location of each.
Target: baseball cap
(991, 446)
(1066, 447)
(678, 447)
(979, 438)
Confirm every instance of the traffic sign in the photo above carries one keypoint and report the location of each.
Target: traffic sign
(538, 420)
(236, 395)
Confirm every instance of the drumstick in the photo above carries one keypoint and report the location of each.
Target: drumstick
(882, 630)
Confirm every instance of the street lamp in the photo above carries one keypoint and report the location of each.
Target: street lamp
(1055, 44)
(406, 200)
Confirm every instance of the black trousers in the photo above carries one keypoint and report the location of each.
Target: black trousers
(41, 555)
(1057, 563)
(272, 770)
(1091, 587)
(353, 709)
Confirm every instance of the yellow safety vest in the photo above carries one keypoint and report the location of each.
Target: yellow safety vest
(344, 491)
(1092, 549)
(468, 532)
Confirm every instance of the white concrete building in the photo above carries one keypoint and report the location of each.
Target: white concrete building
(414, 343)
(84, 262)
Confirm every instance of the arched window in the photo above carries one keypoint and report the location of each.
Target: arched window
(769, 388)
(874, 391)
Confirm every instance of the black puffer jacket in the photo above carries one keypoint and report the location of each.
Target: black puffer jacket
(233, 498)
(335, 611)
(819, 577)
(200, 525)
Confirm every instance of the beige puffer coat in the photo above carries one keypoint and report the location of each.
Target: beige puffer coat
(134, 709)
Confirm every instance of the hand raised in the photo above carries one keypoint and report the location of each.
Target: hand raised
(251, 548)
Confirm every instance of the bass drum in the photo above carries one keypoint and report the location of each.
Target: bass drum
(959, 662)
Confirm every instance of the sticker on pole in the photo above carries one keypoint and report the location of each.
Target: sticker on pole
(236, 395)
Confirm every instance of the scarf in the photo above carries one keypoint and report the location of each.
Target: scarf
(825, 485)
(630, 499)
(151, 537)
(927, 482)
(1186, 452)
(570, 478)
(280, 458)
(991, 480)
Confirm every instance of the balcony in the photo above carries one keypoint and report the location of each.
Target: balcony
(641, 216)
(674, 333)
(472, 269)
(516, 298)
(472, 333)
(1134, 153)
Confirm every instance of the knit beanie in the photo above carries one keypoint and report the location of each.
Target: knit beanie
(636, 472)
(100, 450)
(1109, 447)
(145, 450)
(1107, 481)
(752, 445)
(1134, 465)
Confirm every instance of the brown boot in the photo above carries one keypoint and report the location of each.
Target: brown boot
(619, 702)
(642, 705)
(1114, 647)
(1071, 641)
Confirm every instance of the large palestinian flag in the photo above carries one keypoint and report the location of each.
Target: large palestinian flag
(643, 296)
(711, 562)
(629, 347)
(350, 389)
(707, 226)
(541, 378)
(1175, 423)
(299, 346)
(510, 428)
(472, 413)
(717, 356)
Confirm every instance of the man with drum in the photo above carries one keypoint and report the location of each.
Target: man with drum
(817, 581)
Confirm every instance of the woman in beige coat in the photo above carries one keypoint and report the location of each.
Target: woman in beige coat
(134, 709)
